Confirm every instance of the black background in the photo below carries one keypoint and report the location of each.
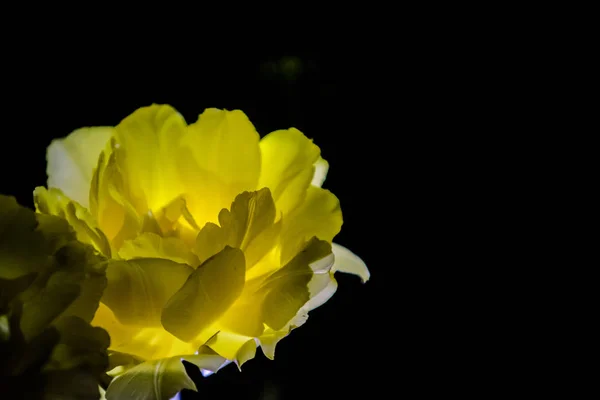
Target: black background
(349, 346)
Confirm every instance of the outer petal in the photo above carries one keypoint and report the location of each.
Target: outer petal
(138, 289)
(71, 161)
(225, 161)
(287, 168)
(206, 295)
(238, 348)
(151, 380)
(347, 261)
(54, 202)
(320, 215)
(321, 169)
(287, 289)
(321, 287)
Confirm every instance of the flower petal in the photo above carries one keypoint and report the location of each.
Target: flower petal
(320, 215)
(248, 226)
(287, 289)
(151, 380)
(225, 161)
(150, 245)
(150, 137)
(269, 340)
(347, 261)
(55, 202)
(138, 289)
(321, 288)
(321, 169)
(206, 359)
(143, 343)
(287, 168)
(112, 200)
(238, 348)
(71, 161)
(206, 295)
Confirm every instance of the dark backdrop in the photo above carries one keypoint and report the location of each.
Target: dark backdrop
(346, 344)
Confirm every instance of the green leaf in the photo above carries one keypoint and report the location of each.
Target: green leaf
(23, 249)
(50, 287)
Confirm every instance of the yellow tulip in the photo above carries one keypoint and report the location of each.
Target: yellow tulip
(219, 241)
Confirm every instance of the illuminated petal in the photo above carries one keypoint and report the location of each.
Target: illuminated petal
(54, 202)
(144, 343)
(225, 161)
(206, 359)
(151, 380)
(71, 161)
(321, 287)
(150, 137)
(237, 348)
(287, 289)
(113, 202)
(321, 290)
(321, 169)
(138, 289)
(150, 245)
(320, 215)
(245, 316)
(168, 216)
(206, 295)
(269, 340)
(288, 159)
(347, 261)
(248, 226)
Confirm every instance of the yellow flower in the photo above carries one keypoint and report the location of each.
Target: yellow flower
(219, 240)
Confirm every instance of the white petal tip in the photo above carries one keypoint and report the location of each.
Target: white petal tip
(348, 262)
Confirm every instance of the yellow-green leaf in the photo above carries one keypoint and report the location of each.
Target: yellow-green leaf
(54, 202)
(23, 248)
